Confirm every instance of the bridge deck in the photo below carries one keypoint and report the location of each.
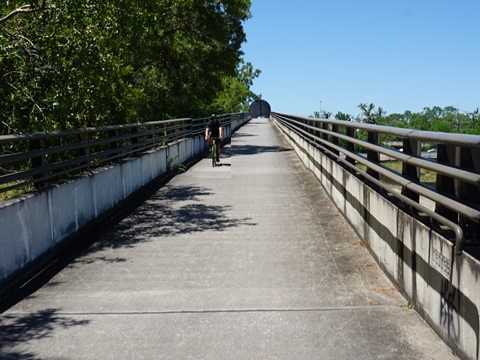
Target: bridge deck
(247, 260)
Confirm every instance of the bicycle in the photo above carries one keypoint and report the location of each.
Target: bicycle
(213, 150)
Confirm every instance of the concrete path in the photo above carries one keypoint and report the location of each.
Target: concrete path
(249, 260)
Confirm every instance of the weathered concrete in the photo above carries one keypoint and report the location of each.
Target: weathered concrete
(444, 288)
(34, 224)
(248, 260)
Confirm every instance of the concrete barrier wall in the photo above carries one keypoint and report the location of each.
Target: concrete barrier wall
(442, 287)
(34, 224)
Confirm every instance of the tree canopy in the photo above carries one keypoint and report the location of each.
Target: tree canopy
(76, 63)
(447, 119)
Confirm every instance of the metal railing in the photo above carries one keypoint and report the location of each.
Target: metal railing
(41, 159)
(455, 191)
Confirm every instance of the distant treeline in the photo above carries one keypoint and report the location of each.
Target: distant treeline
(447, 119)
(76, 63)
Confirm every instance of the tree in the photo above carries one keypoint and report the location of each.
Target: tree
(447, 119)
(343, 116)
(236, 94)
(396, 120)
(321, 115)
(24, 9)
(326, 114)
(74, 63)
(473, 125)
(370, 115)
(475, 114)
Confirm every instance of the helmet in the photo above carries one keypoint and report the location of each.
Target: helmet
(213, 116)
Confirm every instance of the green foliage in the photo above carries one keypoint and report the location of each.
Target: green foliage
(76, 63)
(343, 116)
(370, 115)
(236, 94)
(321, 115)
(447, 119)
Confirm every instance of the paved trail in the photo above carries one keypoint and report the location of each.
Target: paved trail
(249, 260)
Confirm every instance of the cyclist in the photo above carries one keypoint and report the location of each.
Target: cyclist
(214, 130)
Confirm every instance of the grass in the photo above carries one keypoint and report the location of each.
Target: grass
(426, 176)
(5, 195)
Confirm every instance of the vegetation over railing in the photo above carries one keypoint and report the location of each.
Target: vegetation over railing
(69, 64)
(447, 119)
(456, 166)
(41, 159)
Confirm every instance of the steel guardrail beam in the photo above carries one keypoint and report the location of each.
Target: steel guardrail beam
(325, 134)
(27, 159)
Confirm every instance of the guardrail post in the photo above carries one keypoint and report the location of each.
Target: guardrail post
(446, 154)
(151, 129)
(470, 159)
(317, 132)
(38, 161)
(113, 134)
(84, 151)
(166, 133)
(411, 147)
(134, 140)
(351, 132)
(325, 127)
(312, 123)
(373, 138)
(335, 141)
(185, 127)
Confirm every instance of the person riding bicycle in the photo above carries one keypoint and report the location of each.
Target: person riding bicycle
(214, 130)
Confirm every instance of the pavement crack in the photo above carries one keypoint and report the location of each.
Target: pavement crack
(227, 311)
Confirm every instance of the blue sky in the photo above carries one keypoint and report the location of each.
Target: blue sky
(397, 54)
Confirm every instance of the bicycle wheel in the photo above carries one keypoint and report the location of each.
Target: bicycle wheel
(214, 153)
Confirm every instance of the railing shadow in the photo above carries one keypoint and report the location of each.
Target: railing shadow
(16, 330)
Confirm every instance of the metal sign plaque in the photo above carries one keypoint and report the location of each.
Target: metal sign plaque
(441, 255)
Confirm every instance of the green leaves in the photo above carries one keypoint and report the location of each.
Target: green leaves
(236, 94)
(81, 63)
(447, 119)
(370, 114)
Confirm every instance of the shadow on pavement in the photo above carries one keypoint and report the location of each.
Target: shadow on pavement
(171, 211)
(242, 135)
(17, 329)
(256, 149)
(167, 211)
